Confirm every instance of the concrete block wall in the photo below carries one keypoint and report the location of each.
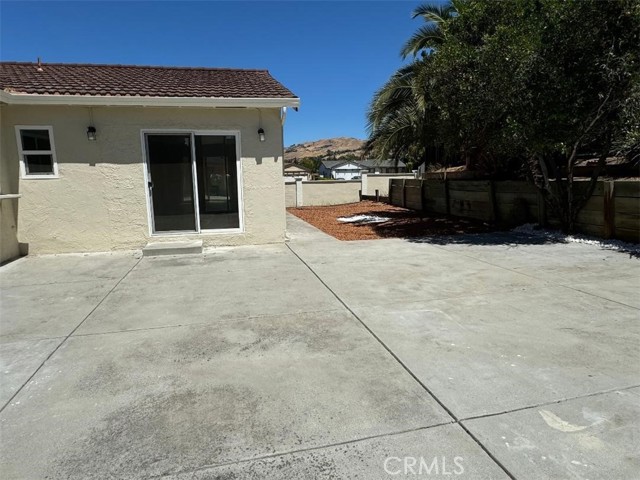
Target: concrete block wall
(337, 192)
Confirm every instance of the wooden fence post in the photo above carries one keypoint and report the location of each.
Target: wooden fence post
(377, 195)
(447, 200)
(495, 212)
(404, 193)
(542, 210)
(422, 189)
(391, 191)
(609, 205)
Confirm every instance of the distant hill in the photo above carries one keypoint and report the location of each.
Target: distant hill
(325, 149)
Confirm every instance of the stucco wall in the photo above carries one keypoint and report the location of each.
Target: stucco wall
(330, 192)
(290, 194)
(98, 203)
(381, 182)
(9, 248)
(9, 174)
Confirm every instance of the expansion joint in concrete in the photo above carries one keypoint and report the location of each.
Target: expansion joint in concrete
(304, 450)
(406, 368)
(68, 336)
(546, 404)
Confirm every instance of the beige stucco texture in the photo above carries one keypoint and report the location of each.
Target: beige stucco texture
(9, 174)
(330, 192)
(380, 182)
(99, 201)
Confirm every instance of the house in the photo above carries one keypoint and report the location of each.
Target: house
(293, 170)
(348, 169)
(110, 157)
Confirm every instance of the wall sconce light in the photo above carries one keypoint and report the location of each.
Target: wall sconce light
(91, 134)
(261, 134)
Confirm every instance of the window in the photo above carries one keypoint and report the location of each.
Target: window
(37, 152)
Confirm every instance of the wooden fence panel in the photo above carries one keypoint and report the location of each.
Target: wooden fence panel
(613, 210)
(413, 196)
(591, 217)
(435, 205)
(511, 186)
(627, 188)
(514, 209)
(475, 209)
(435, 188)
(627, 211)
(396, 193)
(434, 196)
(469, 195)
(469, 185)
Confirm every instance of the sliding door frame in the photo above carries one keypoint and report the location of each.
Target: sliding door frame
(194, 179)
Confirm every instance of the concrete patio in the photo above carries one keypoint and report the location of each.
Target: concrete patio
(499, 356)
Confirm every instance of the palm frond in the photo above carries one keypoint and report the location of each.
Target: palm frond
(429, 36)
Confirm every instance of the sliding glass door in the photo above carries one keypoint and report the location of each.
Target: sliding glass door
(171, 183)
(217, 181)
(193, 182)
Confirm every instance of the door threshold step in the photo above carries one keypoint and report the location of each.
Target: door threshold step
(155, 249)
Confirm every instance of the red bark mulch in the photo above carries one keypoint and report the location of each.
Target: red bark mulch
(402, 223)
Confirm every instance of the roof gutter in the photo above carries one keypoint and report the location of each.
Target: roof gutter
(138, 101)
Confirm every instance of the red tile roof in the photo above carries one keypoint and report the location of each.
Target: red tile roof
(138, 81)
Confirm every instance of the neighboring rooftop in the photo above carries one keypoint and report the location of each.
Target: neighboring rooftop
(138, 81)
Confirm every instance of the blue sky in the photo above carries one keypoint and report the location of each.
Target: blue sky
(333, 54)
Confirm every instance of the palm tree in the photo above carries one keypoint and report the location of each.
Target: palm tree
(430, 36)
(396, 118)
(400, 117)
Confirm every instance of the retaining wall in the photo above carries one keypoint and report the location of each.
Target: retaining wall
(335, 192)
(613, 211)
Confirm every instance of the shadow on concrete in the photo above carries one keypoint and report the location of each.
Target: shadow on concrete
(490, 238)
(411, 224)
(450, 230)
(515, 239)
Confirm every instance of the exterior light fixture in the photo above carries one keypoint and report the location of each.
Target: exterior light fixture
(261, 134)
(91, 133)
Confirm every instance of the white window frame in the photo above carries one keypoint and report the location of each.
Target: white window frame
(240, 180)
(22, 153)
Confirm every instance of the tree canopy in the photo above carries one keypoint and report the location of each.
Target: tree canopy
(519, 87)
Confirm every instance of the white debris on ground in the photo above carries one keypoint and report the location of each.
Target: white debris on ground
(363, 219)
(618, 245)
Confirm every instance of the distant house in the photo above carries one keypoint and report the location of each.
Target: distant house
(293, 170)
(348, 169)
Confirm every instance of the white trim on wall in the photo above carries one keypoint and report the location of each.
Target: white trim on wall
(106, 100)
(22, 153)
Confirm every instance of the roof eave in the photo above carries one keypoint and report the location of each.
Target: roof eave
(140, 101)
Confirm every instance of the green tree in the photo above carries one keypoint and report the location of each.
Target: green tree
(401, 120)
(585, 79)
(431, 35)
(531, 86)
(312, 163)
(396, 116)
(519, 86)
